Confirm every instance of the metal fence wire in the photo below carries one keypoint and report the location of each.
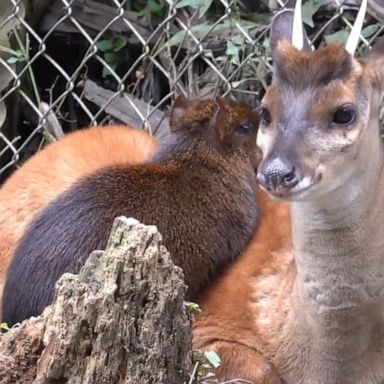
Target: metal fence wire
(67, 64)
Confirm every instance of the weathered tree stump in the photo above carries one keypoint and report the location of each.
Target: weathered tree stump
(121, 320)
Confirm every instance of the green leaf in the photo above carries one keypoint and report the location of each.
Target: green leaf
(195, 4)
(4, 326)
(309, 9)
(233, 51)
(370, 30)
(143, 13)
(200, 30)
(238, 39)
(266, 44)
(192, 307)
(152, 7)
(14, 60)
(155, 7)
(201, 5)
(106, 72)
(18, 53)
(119, 43)
(340, 36)
(213, 358)
(104, 45)
(203, 10)
(112, 58)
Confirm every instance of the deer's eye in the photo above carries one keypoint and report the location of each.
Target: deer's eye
(344, 115)
(265, 116)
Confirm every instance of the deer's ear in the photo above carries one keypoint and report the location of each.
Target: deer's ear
(179, 108)
(282, 27)
(375, 64)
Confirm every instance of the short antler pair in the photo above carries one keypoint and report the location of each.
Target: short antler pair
(351, 45)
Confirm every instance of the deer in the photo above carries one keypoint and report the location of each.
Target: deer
(314, 311)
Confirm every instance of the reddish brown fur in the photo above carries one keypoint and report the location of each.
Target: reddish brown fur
(305, 320)
(255, 309)
(227, 324)
(239, 361)
(198, 191)
(57, 167)
(305, 69)
(233, 113)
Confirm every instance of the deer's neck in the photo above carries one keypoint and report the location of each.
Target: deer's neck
(339, 249)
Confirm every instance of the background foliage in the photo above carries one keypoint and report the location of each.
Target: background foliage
(65, 64)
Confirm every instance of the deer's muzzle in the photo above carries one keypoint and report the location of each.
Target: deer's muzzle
(277, 176)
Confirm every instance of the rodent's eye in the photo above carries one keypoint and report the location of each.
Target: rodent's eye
(265, 116)
(244, 128)
(344, 115)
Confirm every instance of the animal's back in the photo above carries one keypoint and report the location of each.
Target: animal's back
(77, 222)
(54, 169)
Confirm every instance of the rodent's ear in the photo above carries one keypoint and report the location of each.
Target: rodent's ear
(213, 120)
(180, 106)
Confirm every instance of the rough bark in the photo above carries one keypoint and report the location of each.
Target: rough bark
(121, 320)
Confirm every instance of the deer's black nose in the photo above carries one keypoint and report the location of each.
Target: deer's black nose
(277, 175)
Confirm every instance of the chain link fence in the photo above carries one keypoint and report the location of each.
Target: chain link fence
(67, 64)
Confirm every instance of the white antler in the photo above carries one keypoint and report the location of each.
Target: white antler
(354, 36)
(297, 30)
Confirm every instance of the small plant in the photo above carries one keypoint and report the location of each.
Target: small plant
(235, 46)
(113, 53)
(192, 307)
(153, 11)
(16, 55)
(4, 327)
(205, 362)
(201, 5)
(22, 56)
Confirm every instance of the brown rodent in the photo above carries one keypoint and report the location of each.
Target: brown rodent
(198, 190)
(54, 169)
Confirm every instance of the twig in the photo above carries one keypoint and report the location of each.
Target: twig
(25, 51)
(194, 372)
(51, 124)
